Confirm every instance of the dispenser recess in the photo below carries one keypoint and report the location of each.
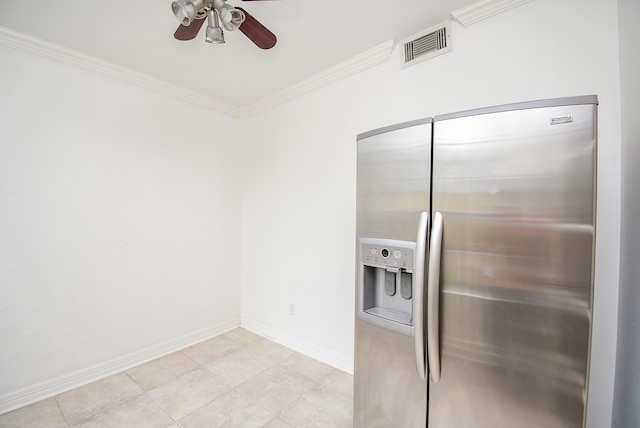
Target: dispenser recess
(386, 284)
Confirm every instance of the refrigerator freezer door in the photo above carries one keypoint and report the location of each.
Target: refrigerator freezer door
(393, 180)
(517, 193)
(393, 194)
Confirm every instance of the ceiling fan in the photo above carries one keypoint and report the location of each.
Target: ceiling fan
(192, 13)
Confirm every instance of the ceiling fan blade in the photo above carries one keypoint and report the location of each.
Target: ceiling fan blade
(256, 32)
(189, 32)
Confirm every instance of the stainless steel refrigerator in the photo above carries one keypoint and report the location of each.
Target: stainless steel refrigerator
(475, 257)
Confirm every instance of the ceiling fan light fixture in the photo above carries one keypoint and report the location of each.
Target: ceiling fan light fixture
(185, 11)
(231, 17)
(214, 32)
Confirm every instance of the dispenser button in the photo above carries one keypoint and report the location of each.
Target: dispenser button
(397, 254)
(385, 253)
(405, 285)
(389, 283)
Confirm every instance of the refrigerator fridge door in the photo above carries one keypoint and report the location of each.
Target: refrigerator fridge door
(515, 186)
(393, 194)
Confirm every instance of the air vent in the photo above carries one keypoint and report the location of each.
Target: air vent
(427, 44)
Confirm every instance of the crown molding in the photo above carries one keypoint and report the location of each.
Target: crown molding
(34, 46)
(21, 42)
(365, 60)
(483, 9)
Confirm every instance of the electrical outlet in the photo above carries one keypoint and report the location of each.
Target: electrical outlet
(292, 308)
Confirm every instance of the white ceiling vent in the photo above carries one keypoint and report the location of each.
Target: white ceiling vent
(427, 44)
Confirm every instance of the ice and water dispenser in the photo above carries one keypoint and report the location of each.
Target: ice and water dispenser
(386, 278)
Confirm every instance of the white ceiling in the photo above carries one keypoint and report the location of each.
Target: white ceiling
(313, 35)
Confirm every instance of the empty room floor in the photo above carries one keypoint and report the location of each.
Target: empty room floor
(237, 379)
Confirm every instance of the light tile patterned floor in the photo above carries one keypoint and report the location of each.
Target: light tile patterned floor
(237, 379)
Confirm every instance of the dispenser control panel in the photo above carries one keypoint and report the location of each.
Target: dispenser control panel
(387, 254)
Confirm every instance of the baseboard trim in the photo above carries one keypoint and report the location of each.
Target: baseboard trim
(50, 388)
(319, 353)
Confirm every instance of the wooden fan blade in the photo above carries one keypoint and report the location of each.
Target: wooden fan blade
(256, 32)
(189, 32)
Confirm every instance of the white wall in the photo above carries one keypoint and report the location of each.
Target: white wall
(119, 226)
(626, 407)
(298, 199)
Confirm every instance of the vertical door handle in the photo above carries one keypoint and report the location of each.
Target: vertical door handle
(418, 293)
(433, 298)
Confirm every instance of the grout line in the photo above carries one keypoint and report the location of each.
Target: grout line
(163, 409)
(275, 415)
(61, 412)
(146, 393)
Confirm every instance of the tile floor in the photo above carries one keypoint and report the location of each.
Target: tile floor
(237, 379)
